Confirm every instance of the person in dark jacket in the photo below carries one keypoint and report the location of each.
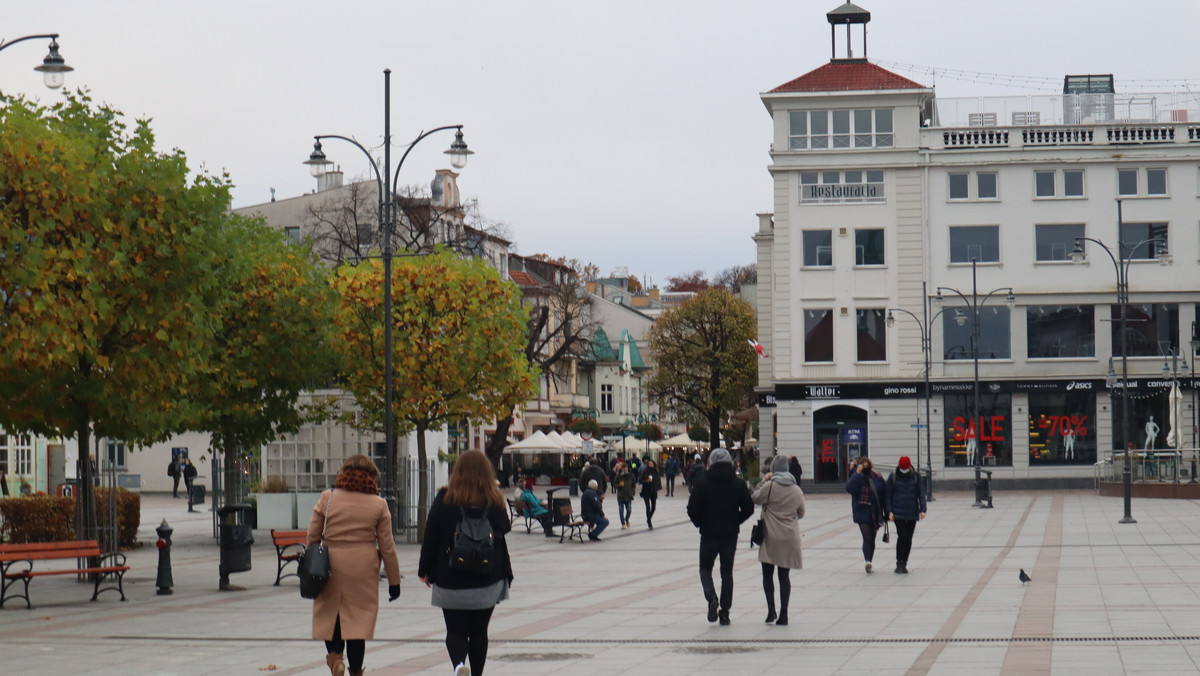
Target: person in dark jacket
(670, 469)
(174, 473)
(189, 477)
(794, 468)
(593, 511)
(694, 471)
(651, 483)
(626, 485)
(467, 599)
(592, 470)
(718, 505)
(905, 501)
(867, 490)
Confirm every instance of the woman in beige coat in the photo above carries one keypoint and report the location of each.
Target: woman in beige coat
(783, 505)
(358, 533)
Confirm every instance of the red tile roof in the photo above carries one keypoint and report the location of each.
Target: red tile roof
(522, 278)
(842, 76)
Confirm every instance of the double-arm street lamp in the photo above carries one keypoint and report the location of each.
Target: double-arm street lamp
(1121, 261)
(975, 305)
(386, 184)
(54, 68)
(926, 326)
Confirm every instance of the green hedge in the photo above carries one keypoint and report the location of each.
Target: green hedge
(50, 518)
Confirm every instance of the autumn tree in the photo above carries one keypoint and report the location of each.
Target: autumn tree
(271, 342)
(633, 284)
(453, 351)
(734, 277)
(702, 360)
(693, 281)
(106, 283)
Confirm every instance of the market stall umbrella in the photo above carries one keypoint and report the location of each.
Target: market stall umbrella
(683, 441)
(1175, 435)
(537, 442)
(635, 445)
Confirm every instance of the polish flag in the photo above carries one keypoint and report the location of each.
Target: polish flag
(758, 348)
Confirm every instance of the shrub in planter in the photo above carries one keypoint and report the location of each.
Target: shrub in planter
(51, 518)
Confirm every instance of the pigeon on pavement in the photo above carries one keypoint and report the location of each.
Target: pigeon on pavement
(1024, 577)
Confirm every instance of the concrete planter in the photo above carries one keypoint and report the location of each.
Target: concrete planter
(277, 510)
(305, 502)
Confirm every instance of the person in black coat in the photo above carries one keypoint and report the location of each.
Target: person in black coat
(719, 504)
(794, 468)
(467, 599)
(593, 470)
(593, 510)
(905, 501)
(867, 490)
(651, 482)
(174, 473)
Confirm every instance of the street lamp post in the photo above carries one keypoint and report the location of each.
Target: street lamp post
(976, 304)
(1195, 342)
(1172, 370)
(1121, 263)
(54, 68)
(386, 185)
(926, 327)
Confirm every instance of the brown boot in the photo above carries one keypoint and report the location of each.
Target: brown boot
(336, 666)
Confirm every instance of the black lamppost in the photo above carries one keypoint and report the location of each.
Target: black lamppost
(1121, 265)
(318, 164)
(1195, 342)
(926, 327)
(975, 304)
(1172, 370)
(54, 68)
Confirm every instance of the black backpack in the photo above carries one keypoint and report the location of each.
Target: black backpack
(474, 548)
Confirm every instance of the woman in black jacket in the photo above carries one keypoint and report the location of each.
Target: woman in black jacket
(467, 599)
(650, 486)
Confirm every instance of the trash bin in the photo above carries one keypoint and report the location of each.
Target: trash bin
(236, 538)
(197, 494)
(555, 505)
(983, 488)
(574, 487)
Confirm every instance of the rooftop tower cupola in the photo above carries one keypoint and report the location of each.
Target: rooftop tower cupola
(848, 14)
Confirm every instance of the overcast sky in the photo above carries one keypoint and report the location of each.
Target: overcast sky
(624, 133)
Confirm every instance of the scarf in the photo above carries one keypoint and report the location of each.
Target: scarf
(357, 480)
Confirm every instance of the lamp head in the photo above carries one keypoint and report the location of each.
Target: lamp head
(54, 68)
(1010, 300)
(458, 151)
(939, 298)
(891, 320)
(960, 318)
(1077, 255)
(317, 162)
(1163, 254)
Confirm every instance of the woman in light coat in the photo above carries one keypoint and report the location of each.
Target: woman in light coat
(358, 533)
(783, 505)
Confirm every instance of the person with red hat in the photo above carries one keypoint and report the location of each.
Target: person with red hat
(905, 501)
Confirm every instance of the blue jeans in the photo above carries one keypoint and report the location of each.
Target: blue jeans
(624, 510)
(600, 524)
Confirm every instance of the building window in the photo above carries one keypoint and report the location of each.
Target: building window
(1128, 183)
(18, 447)
(115, 458)
(982, 440)
(994, 342)
(868, 246)
(958, 186)
(1060, 331)
(818, 335)
(1043, 183)
(1073, 183)
(872, 335)
(821, 129)
(1135, 244)
(1062, 428)
(818, 248)
(1151, 329)
(1156, 182)
(986, 185)
(1055, 242)
(979, 243)
(606, 398)
(293, 233)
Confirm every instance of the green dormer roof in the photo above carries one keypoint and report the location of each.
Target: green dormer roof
(602, 350)
(635, 356)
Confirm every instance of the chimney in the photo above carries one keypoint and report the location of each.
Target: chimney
(329, 180)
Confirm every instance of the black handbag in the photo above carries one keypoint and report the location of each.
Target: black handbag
(314, 563)
(758, 533)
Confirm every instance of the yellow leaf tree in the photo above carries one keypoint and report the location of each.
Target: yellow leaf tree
(458, 334)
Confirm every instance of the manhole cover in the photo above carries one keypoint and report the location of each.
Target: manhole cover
(538, 657)
(714, 649)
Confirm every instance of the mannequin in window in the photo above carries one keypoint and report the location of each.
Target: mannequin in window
(972, 446)
(1151, 434)
(1069, 444)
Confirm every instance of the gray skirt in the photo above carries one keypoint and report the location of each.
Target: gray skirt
(471, 598)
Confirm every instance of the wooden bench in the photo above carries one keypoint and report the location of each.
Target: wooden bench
(11, 555)
(572, 528)
(289, 547)
(518, 510)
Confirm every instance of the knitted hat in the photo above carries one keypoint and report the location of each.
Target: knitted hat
(698, 457)
(905, 463)
(719, 455)
(779, 463)
(593, 485)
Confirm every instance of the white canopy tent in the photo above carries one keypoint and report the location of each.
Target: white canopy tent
(683, 441)
(537, 442)
(635, 445)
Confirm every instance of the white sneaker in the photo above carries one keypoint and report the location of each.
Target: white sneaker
(462, 670)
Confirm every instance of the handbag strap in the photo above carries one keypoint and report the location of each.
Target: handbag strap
(325, 521)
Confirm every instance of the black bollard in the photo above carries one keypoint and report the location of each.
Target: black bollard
(165, 581)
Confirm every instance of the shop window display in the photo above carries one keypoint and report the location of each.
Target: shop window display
(1062, 428)
(986, 441)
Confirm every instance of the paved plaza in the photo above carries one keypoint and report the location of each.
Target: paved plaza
(1105, 599)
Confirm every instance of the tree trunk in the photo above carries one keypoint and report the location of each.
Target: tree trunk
(714, 429)
(423, 482)
(495, 447)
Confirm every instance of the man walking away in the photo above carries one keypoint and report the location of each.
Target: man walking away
(905, 500)
(720, 502)
(593, 511)
(670, 469)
